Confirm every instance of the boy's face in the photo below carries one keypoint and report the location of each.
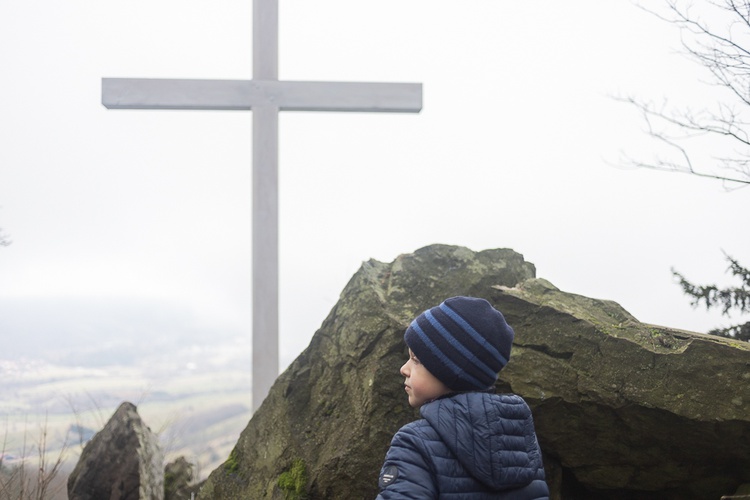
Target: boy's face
(421, 385)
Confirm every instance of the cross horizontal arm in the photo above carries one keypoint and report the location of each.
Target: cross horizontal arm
(152, 93)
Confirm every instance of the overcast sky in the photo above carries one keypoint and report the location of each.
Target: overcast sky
(517, 147)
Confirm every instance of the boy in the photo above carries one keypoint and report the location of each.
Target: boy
(470, 443)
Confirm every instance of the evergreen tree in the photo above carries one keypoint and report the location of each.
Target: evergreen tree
(728, 299)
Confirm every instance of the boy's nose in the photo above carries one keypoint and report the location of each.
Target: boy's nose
(403, 369)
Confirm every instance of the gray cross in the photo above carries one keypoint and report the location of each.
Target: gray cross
(265, 95)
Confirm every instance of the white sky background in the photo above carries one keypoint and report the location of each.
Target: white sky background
(513, 149)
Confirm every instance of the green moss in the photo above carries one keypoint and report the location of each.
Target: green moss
(293, 481)
(232, 465)
(169, 480)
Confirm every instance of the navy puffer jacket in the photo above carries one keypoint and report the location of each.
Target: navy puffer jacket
(467, 446)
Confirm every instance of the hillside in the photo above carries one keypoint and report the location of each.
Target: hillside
(191, 384)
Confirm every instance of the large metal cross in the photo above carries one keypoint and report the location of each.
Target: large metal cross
(265, 95)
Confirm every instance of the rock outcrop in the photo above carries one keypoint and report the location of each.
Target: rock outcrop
(623, 410)
(178, 479)
(121, 462)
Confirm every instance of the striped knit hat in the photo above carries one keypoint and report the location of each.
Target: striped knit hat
(464, 342)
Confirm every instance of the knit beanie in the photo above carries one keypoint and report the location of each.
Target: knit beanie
(464, 342)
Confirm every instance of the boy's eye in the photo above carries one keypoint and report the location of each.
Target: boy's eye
(414, 358)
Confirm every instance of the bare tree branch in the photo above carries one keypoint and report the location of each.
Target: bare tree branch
(715, 34)
(741, 166)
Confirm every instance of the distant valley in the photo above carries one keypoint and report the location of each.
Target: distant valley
(67, 375)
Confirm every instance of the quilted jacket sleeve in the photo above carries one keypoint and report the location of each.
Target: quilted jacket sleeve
(407, 472)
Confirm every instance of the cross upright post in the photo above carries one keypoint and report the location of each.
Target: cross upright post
(265, 95)
(265, 180)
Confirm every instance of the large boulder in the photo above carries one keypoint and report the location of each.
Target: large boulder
(123, 461)
(623, 410)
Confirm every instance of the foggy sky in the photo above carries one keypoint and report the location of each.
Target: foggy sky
(517, 146)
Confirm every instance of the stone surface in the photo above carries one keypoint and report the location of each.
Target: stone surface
(626, 408)
(121, 462)
(178, 477)
(623, 410)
